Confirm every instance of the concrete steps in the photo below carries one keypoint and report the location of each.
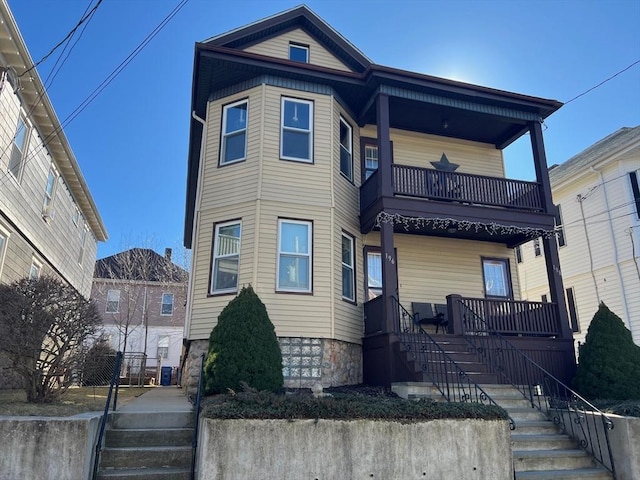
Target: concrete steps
(540, 450)
(147, 446)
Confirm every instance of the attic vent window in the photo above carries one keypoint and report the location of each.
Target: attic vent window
(298, 53)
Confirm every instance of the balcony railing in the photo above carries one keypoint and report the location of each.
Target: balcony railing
(466, 188)
(507, 317)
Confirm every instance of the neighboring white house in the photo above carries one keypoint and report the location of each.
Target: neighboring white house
(598, 193)
(141, 298)
(49, 222)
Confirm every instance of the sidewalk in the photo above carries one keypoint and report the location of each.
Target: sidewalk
(159, 399)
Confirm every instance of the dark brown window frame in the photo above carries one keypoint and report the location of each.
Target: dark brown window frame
(364, 141)
(509, 278)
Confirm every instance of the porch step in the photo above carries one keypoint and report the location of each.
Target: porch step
(148, 437)
(572, 474)
(147, 446)
(540, 450)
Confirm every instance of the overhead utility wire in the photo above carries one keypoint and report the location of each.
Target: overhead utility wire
(602, 82)
(69, 35)
(102, 86)
(52, 75)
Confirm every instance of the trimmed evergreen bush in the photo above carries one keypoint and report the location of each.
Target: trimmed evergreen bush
(609, 363)
(243, 347)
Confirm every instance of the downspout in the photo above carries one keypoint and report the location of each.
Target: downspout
(615, 248)
(194, 228)
(580, 199)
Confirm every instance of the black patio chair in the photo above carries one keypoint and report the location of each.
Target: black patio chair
(426, 314)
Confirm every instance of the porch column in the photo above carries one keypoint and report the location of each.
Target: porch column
(387, 249)
(550, 245)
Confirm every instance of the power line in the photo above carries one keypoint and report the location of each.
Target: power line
(93, 95)
(69, 35)
(52, 75)
(602, 83)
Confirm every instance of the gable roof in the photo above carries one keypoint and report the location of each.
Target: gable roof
(297, 17)
(417, 101)
(596, 153)
(140, 264)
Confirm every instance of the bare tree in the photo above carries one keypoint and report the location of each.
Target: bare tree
(123, 282)
(44, 326)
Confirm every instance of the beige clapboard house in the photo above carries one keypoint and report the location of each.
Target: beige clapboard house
(349, 194)
(49, 223)
(598, 193)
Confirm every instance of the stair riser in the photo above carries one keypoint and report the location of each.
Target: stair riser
(557, 444)
(550, 428)
(552, 463)
(152, 420)
(186, 475)
(149, 438)
(508, 403)
(524, 415)
(598, 475)
(117, 458)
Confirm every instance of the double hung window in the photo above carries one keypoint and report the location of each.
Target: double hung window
(370, 160)
(50, 188)
(166, 308)
(234, 132)
(163, 346)
(19, 149)
(348, 268)
(294, 256)
(296, 136)
(374, 274)
(226, 257)
(113, 301)
(346, 150)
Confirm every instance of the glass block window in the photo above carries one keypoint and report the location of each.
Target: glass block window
(301, 358)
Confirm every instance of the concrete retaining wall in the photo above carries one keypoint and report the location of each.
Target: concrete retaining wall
(59, 448)
(330, 449)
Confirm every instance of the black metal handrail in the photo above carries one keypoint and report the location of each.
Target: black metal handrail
(578, 418)
(115, 382)
(196, 420)
(447, 376)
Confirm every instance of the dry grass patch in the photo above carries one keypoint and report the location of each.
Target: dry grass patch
(75, 400)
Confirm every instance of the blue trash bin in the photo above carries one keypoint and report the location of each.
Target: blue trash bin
(165, 376)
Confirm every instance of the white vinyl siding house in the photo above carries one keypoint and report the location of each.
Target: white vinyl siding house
(601, 232)
(43, 184)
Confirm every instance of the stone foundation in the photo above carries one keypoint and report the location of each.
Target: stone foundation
(306, 361)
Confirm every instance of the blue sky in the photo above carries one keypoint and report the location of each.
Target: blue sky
(131, 141)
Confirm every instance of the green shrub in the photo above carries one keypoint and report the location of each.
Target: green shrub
(98, 365)
(243, 347)
(609, 363)
(251, 404)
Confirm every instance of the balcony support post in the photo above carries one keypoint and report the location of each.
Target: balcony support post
(550, 245)
(384, 146)
(387, 249)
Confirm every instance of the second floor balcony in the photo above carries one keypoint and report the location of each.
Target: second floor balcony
(461, 203)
